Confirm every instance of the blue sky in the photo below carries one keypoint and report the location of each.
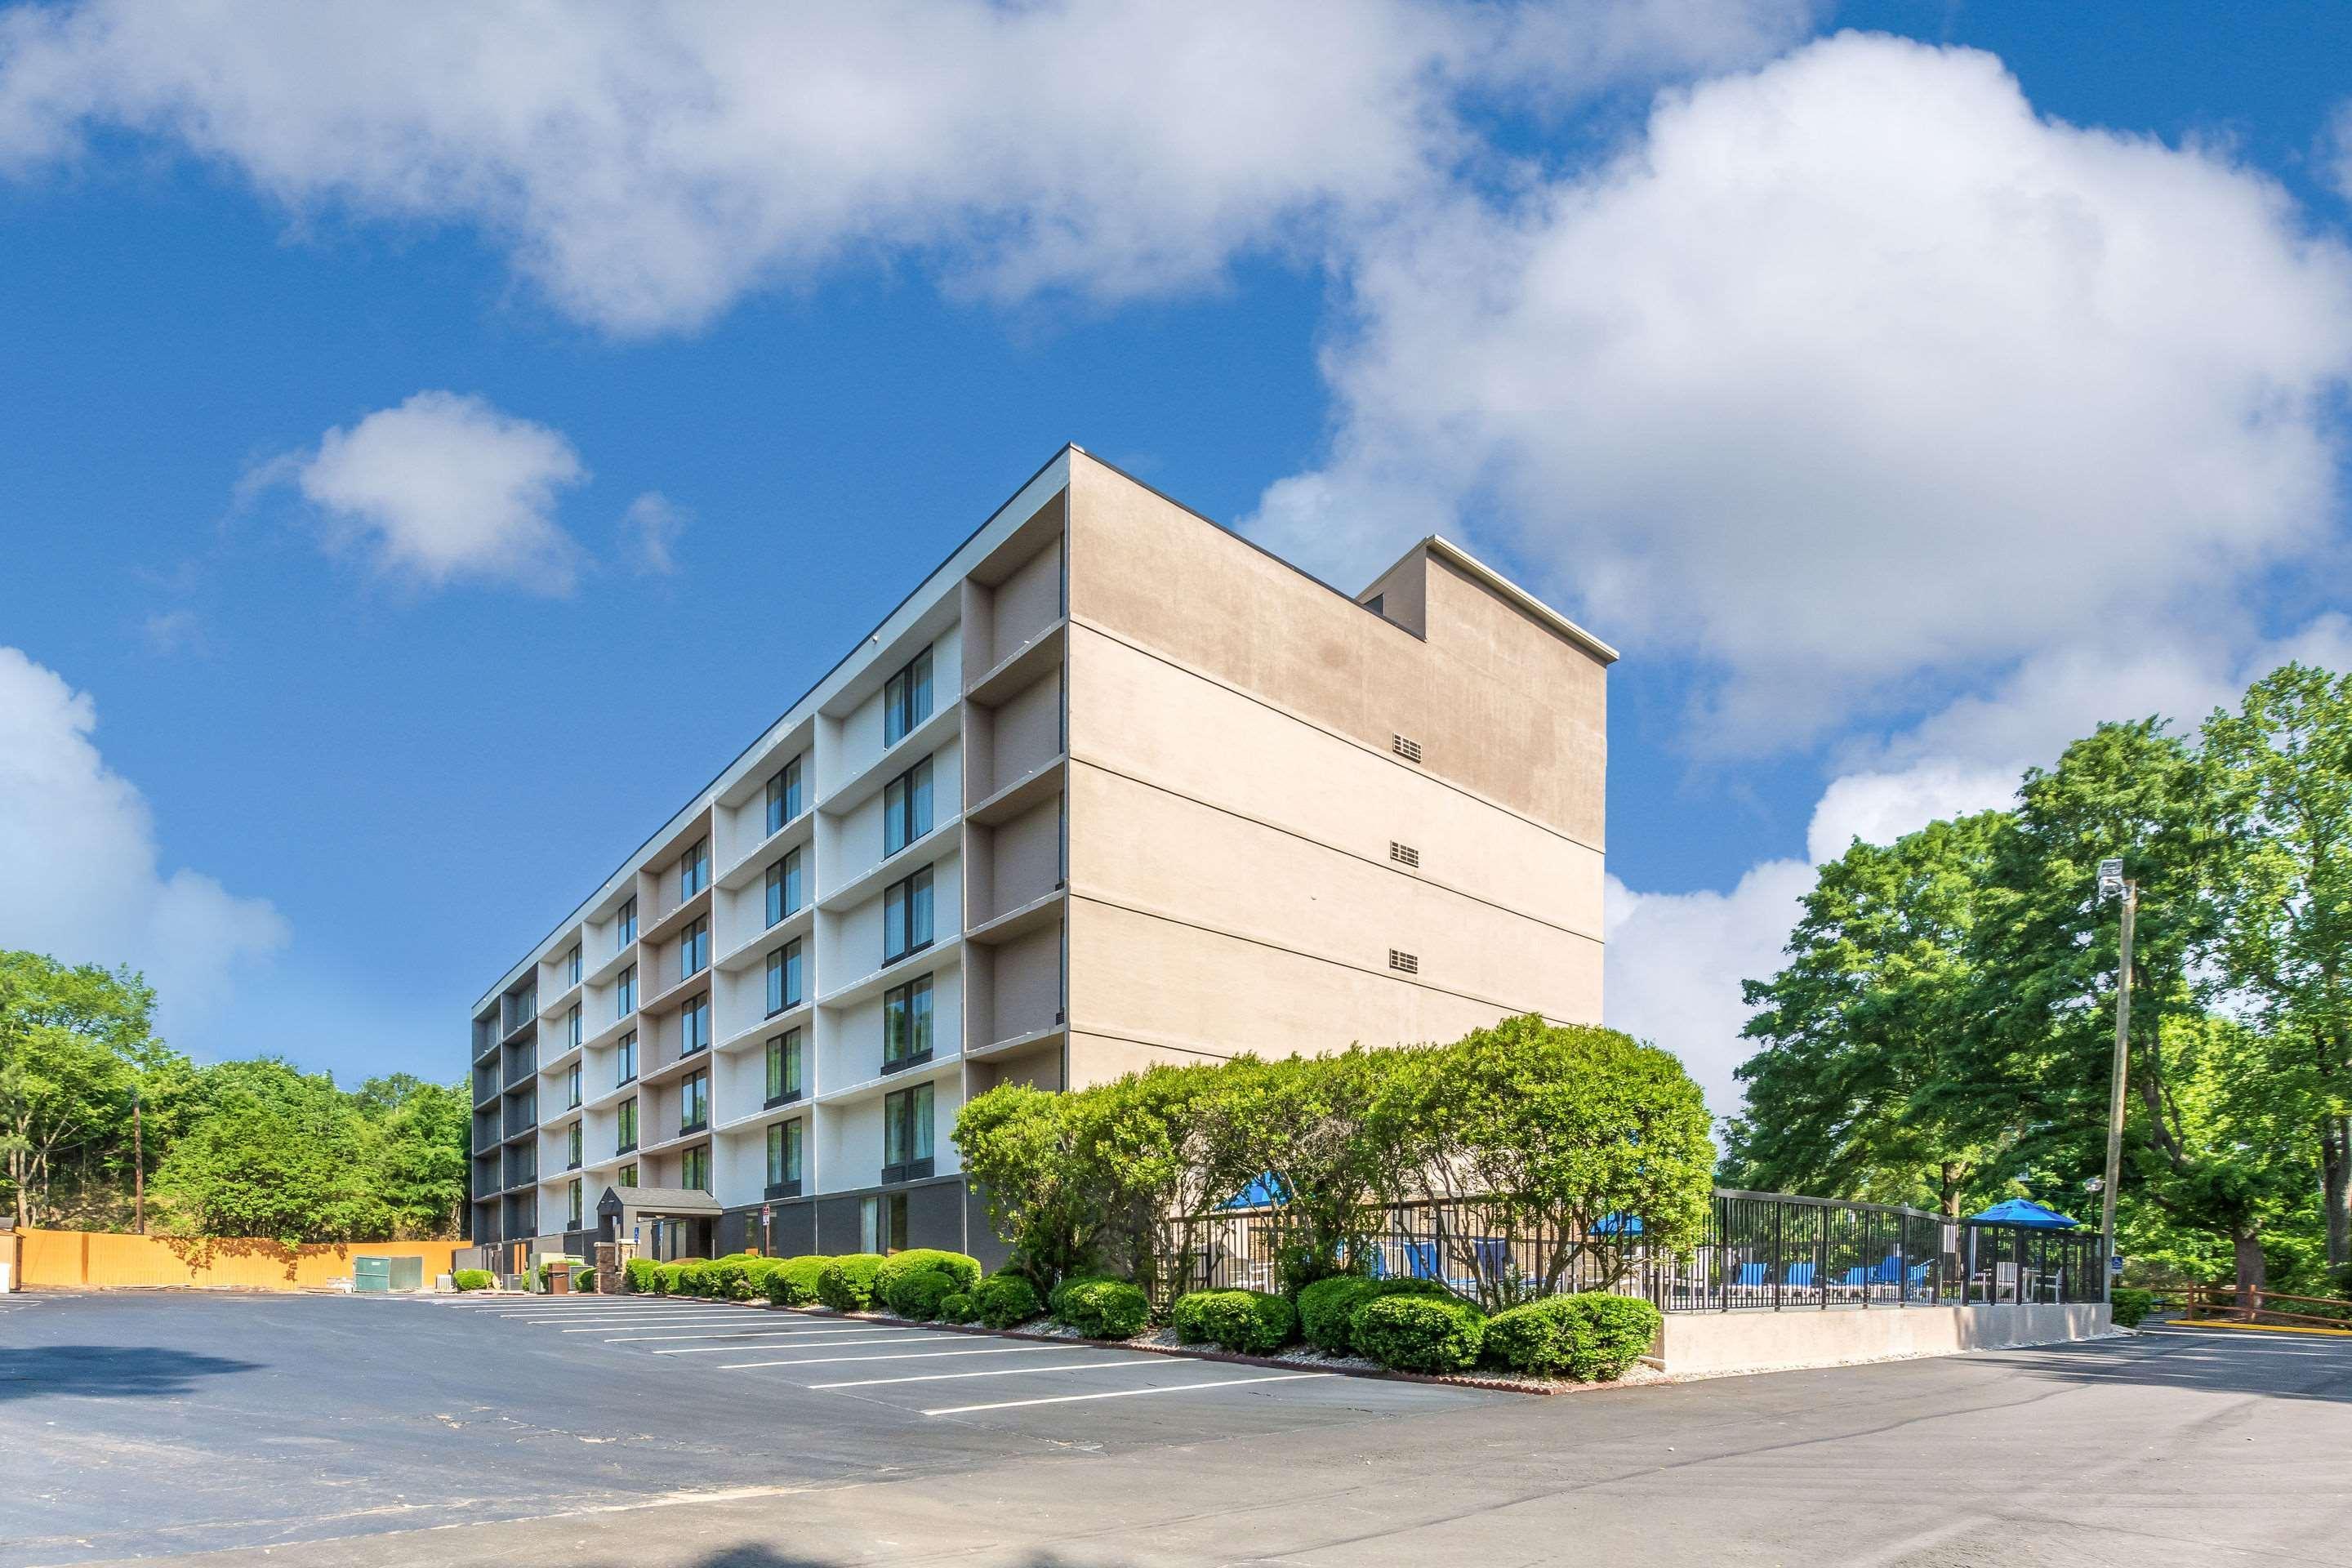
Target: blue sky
(1897, 425)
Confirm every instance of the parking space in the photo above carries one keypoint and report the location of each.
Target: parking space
(936, 1374)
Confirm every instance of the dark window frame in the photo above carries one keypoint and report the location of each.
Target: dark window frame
(904, 997)
(904, 889)
(907, 699)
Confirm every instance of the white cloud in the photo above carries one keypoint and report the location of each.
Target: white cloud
(1852, 374)
(1675, 961)
(648, 164)
(80, 877)
(174, 631)
(443, 489)
(649, 533)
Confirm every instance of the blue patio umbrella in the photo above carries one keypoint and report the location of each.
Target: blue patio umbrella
(1264, 1191)
(2027, 1213)
(1618, 1225)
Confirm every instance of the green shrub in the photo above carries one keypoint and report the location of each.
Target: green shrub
(642, 1275)
(2130, 1305)
(917, 1294)
(1327, 1307)
(473, 1279)
(546, 1268)
(1593, 1337)
(1251, 1322)
(964, 1270)
(1101, 1308)
(793, 1281)
(729, 1278)
(690, 1277)
(583, 1280)
(957, 1307)
(847, 1283)
(1418, 1333)
(1003, 1299)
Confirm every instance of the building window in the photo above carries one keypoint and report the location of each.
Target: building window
(576, 1191)
(627, 930)
(907, 916)
(694, 1169)
(628, 1125)
(571, 966)
(694, 948)
(906, 808)
(907, 1024)
(882, 1222)
(624, 994)
(628, 1053)
(906, 699)
(785, 978)
(785, 1066)
(694, 870)
(784, 1153)
(574, 1030)
(572, 1148)
(627, 1176)
(571, 1088)
(694, 1026)
(693, 1103)
(906, 1134)
(785, 796)
(785, 887)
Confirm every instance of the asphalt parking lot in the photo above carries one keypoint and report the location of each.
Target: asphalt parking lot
(314, 1429)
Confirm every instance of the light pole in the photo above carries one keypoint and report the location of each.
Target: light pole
(2112, 882)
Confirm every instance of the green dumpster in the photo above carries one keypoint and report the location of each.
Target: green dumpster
(377, 1274)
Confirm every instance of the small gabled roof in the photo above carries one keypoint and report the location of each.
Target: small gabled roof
(658, 1200)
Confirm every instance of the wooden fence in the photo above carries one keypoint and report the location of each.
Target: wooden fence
(80, 1260)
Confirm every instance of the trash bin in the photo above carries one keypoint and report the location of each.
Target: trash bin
(559, 1280)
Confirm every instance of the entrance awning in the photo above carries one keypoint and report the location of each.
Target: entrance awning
(627, 1205)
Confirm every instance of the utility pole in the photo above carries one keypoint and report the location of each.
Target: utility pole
(2111, 880)
(137, 1169)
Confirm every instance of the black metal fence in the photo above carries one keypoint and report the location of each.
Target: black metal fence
(1765, 1251)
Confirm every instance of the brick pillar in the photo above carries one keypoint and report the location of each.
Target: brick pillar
(609, 1256)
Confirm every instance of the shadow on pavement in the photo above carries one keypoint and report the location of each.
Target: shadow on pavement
(2286, 1366)
(109, 1371)
(762, 1557)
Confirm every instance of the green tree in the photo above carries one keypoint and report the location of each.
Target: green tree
(1020, 1148)
(1310, 1123)
(2282, 769)
(1560, 1135)
(77, 1047)
(273, 1151)
(1851, 1090)
(1168, 1147)
(424, 1139)
(2046, 957)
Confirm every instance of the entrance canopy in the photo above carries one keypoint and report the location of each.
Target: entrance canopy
(2027, 1213)
(624, 1206)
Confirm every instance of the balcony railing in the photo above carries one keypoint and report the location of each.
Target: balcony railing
(913, 1171)
(791, 1189)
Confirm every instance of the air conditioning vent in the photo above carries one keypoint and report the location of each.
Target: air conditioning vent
(1407, 748)
(1404, 854)
(1403, 962)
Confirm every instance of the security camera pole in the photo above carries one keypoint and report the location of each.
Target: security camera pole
(2111, 881)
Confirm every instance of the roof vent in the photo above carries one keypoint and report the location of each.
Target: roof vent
(1407, 748)
(1404, 854)
(1403, 962)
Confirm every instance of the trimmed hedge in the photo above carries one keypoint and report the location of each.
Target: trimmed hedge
(793, 1281)
(2130, 1305)
(957, 1307)
(1251, 1322)
(584, 1281)
(1327, 1307)
(847, 1283)
(1101, 1308)
(1418, 1333)
(1593, 1337)
(913, 1283)
(642, 1275)
(1000, 1301)
(473, 1279)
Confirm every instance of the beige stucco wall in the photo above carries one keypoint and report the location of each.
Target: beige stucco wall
(1503, 706)
(1697, 1343)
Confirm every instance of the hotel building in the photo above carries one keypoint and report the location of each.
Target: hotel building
(1112, 786)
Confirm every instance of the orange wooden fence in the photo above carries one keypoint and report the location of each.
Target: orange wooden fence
(76, 1260)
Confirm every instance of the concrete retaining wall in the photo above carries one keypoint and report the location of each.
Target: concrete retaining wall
(1701, 1342)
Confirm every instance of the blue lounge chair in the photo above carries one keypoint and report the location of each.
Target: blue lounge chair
(1422, 1261)
(1797, 1277)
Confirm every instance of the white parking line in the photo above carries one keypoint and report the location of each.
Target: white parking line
(1128, 1393)
(756, 1334)
(894, 1355)
(812, 1342)
(606, 1328)
(993, 1371)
